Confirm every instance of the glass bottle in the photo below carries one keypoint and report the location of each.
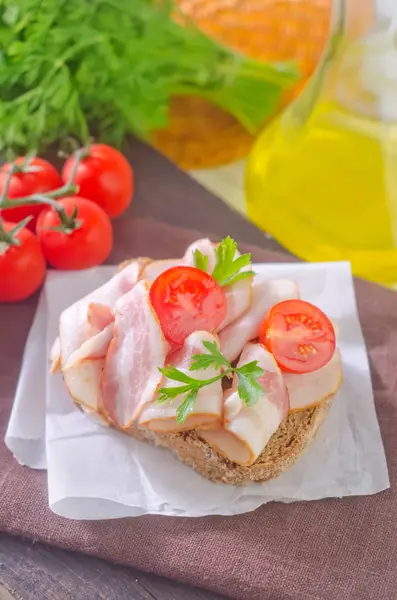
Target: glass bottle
(322, 178)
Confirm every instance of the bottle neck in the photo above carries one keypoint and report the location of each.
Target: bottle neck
(359, 17)
(366, 77)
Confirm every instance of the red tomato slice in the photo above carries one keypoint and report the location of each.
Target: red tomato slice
(187, 299)
(299, 335)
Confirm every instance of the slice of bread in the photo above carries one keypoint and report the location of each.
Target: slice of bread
(281, 452)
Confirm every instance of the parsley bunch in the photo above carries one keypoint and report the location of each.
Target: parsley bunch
(110, 67)
(248, 389)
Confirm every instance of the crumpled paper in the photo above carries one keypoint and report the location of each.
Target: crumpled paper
(99, 473)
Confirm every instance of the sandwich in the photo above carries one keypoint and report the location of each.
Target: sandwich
(230, 371)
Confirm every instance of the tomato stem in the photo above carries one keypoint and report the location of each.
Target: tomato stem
(69, 188)
(26, 166)
(10, 173)
(70, 145)
(68, 223)
(7, 238)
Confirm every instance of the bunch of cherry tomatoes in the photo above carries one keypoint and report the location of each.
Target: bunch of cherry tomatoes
(62, 219)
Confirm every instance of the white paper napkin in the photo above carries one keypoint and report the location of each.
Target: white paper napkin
(98, 473)
(25, 435)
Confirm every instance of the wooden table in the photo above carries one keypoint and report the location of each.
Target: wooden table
(32, 571)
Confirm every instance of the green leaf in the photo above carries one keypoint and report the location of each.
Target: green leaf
(200, 260)
(214, 358)
(111, 67)
(186, 406)
(238, 277)
(249, 389)
(11, 14)
(176, 375)
(228, 269)
(167, 394)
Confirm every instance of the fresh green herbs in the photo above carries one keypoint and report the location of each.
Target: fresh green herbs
(200, 260)
(214, 358)
(228, 269)
(111, 67)
(248, 388)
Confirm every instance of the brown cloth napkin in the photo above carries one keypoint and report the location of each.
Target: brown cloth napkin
(332, 549)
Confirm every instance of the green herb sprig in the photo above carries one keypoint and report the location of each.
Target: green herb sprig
(248, 388)
(111, 67)
(200, 260)
(228, 268)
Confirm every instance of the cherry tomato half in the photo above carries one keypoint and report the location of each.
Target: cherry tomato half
(299, 335)
(105, 177)
(40, 181)
(87, 246)
(22, 267)
(187, 299)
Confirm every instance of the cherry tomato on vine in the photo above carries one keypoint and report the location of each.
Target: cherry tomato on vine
(105, 176)
(22, 265)
(86, 244)
(38, 177)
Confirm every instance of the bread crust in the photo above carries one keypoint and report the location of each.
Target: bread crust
(283, 449)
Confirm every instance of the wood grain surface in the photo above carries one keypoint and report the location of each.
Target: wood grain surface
(32, 571)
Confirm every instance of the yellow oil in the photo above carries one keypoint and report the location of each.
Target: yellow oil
(326, 188)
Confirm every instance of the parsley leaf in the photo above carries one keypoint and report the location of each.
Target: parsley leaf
(200, 260)
(168, 394)
(228, 269)
(175, 374)
(214, 358)
(249, 389)
(186, 406)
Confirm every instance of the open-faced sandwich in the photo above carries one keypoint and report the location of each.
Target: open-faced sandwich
(230, 371)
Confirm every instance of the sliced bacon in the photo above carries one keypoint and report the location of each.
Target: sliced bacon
(99, 316)
(55, 356)
(154, 268)
(238, 300)
(85, 333)
(247, 430)
(207, 248)
(83, 381)
(92, 349)
(307, 390)
(131, 376)
(207, 410)
(82, 373)
(75, 327)
(265, 293)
